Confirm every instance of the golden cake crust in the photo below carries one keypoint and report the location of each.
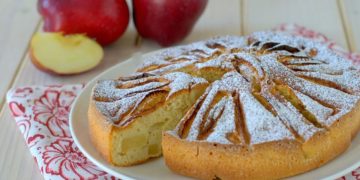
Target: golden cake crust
(99, 131)
(272, 160)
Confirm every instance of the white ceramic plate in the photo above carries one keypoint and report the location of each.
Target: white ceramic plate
(156, 169)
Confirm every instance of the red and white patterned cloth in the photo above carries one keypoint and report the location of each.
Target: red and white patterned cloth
(41, 113)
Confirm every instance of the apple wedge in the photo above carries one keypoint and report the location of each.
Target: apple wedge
(64, 55)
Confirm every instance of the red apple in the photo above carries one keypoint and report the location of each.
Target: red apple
(103, 20)
(166, 21)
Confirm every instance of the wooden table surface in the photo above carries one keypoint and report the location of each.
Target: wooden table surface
(338, 19)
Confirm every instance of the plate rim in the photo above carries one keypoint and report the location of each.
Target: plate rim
(125, 176)
(71, 121)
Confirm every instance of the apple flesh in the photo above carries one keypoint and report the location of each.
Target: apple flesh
(166, 21)
(103, 20)
(64, 55)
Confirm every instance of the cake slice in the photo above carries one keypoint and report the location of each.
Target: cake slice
(127, 116)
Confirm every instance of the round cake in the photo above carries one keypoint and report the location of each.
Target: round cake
(266, 105)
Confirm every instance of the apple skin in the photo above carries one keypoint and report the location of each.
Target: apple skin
(103, 20)
(166, 21)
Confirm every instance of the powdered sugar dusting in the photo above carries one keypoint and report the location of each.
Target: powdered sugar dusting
(222, 62)
(197, 54)
(261, 124)
(291, 117)
(118, 99)
(246, 106)
(180, 81)
(194, 129)
(226, 122)
(278, 58)
(323, 94)
(321, 112)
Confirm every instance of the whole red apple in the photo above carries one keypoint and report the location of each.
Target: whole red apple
(166, 21)
(103, 20)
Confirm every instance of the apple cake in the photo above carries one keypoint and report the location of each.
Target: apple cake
(268, 105)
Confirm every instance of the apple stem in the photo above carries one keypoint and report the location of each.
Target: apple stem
(138, 40)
